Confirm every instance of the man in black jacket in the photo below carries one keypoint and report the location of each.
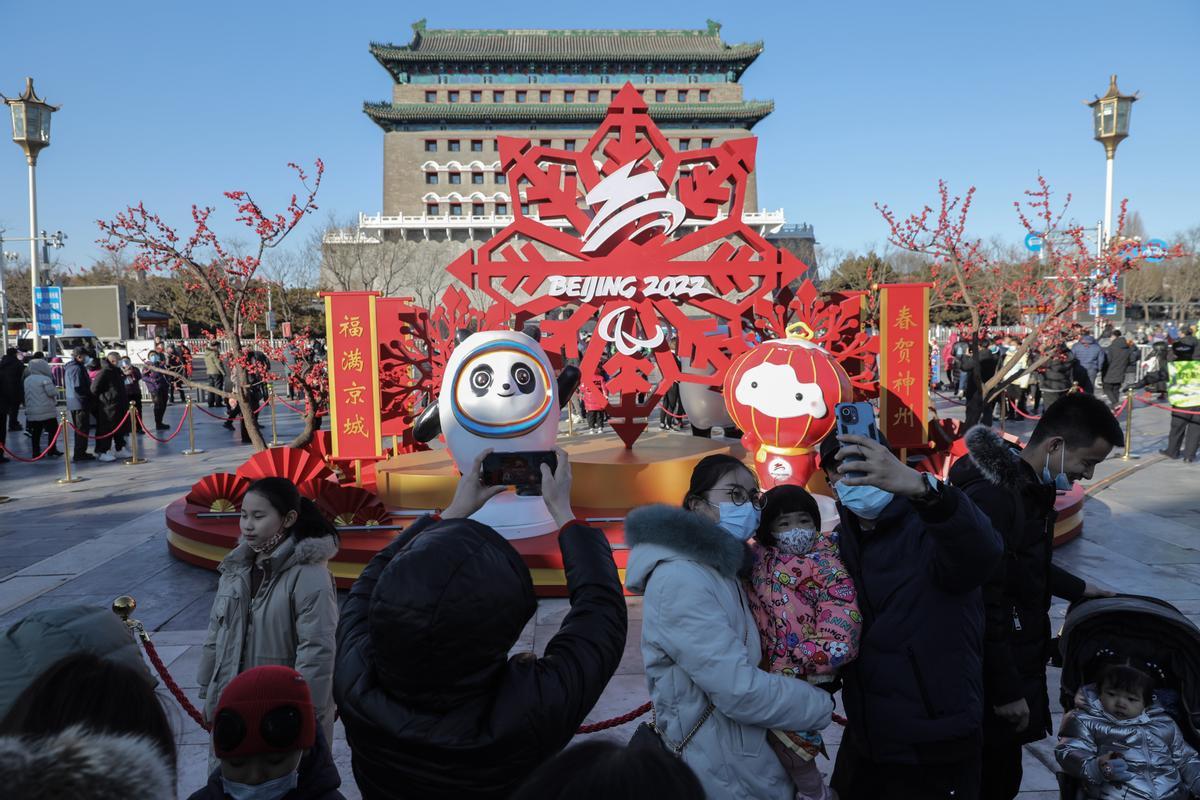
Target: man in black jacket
(918, 551)
(1057, 375)
(1017, 490)
(433, 706)
(12, 393)
(1119, 354)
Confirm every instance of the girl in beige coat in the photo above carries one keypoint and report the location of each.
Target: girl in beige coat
(276, 602)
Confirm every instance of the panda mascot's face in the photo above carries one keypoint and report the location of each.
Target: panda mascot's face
(501, 390)
(498, 391)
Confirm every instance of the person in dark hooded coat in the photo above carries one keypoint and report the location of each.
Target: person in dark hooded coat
(432, 704)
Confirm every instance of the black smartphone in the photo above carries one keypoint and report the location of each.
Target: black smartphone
(520, 469)
(857, 419)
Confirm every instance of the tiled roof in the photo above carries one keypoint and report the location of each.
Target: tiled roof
(566, 45)
(747, 113)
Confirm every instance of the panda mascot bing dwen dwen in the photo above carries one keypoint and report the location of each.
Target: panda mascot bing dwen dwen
(499, 391)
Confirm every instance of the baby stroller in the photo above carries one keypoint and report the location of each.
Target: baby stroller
(1148, 633)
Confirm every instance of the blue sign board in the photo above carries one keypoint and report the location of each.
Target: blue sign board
(1033, 242)
(1098, 307)
(1154, 250)
(49, 310)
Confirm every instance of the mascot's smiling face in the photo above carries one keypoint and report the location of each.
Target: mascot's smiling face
(774, 390)
(502, 390)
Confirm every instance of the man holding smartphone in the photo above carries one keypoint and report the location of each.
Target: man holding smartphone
(918, 551)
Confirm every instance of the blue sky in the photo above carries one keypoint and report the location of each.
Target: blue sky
(171, 103)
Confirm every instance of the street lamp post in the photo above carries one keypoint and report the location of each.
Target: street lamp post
(1110, 120)
(31, 132)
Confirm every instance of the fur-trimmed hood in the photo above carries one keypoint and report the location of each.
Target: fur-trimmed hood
(313, 550)
(659, 533)
(997, 461)
(82, 765)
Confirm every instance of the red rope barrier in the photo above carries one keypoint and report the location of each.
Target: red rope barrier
(97, 437)
(300, 411)
(615, 721)
(1146, 399)
(1022, 413)
(49, 447)
(953, 400)
(161, 668)
(175, 433)
(669, 414)
(222, 417)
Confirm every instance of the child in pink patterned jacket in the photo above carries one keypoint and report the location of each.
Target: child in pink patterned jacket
(804, 603)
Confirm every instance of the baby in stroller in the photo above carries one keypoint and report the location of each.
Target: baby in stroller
(1122, 743)
(1131, 692)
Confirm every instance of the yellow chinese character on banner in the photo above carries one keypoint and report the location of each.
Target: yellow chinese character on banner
(904, 416)
(354, 394)
(904, 348)
(356, 426)
(352, 359)
(904, 320)
(351, 325)
(904, 382)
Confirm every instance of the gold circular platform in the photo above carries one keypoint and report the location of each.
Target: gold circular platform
(606, 474)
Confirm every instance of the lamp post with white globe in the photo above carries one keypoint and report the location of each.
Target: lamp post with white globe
(31, 132)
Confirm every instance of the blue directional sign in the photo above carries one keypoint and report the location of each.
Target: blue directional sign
(1033, 242)
(1154, 250)
(49, 310)
(1098, 307)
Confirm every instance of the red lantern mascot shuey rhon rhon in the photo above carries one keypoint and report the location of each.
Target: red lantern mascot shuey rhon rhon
(782, 394)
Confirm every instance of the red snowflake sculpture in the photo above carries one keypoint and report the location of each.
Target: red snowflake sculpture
(628, 233)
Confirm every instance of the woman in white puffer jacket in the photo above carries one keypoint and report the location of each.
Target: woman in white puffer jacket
(41, 404)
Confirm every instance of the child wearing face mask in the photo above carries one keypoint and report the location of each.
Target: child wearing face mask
(1121, 743)
(804, 604)
(266, 736)
(276, 602)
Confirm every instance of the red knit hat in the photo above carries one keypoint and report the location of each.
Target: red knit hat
(264, 710)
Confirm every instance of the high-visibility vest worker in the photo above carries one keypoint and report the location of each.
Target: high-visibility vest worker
(1183, 390)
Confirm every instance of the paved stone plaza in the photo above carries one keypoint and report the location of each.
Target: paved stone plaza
(91, 541)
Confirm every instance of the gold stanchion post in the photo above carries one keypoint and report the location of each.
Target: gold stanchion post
(271, 399)
(66, 437)
(135, 420)
(570, 421)
(192, 450)
(1128, 426)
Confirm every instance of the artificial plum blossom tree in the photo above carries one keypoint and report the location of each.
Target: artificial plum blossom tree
(205, 264)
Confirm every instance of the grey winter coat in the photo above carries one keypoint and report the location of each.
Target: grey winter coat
(1164, 766)
(41, 395)
(40, 639)
(79, 387)
(292, 621)
(700, 644)
(77, 763)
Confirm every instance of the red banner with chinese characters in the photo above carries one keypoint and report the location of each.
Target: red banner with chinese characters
(904, 363)
(353, 353)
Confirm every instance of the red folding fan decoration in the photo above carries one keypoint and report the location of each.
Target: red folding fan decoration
(314, 486)
(350, 505)
(292, 463)
(221, 491)
(321, 445)
(344, 470)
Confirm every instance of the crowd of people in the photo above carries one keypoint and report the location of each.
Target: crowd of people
(97, 390)
(1152, 359)
(924, 603)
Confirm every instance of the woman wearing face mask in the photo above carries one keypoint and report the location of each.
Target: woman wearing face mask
(276, 602)
(808, 620)
(713, 705)
(918, 552)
